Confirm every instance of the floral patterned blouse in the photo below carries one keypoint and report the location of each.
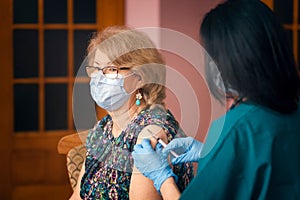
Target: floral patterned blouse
(108, 165)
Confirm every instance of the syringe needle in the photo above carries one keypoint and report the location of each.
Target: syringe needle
(162, 143)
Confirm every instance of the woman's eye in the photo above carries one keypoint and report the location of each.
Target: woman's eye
(112, 69)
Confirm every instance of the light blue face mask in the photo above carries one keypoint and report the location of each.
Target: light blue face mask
(108, 93)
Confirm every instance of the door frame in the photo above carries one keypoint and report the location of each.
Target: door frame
(6, 98)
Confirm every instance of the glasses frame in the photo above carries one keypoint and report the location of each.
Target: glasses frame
(103, 69)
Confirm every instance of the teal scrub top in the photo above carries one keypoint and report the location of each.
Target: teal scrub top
(257, 156)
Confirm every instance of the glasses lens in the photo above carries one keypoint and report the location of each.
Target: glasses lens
(91, 71)
(110, 72)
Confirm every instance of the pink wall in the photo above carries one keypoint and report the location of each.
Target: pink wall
(185, 18)
(142, 13)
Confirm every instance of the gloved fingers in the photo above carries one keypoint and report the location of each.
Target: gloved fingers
(189, 140)
(144, 147)
(137, 147)
(179, 145)
(158, 148)
(180, 159)
(146, 144)
(174, 144)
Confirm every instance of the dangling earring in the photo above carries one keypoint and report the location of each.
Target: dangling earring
(138, 97)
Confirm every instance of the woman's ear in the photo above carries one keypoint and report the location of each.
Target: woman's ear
(140, 82)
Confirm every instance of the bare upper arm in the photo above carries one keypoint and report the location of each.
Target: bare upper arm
(155, 130)
(140, 186)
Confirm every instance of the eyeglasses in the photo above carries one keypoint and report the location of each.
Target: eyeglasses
(108, 71)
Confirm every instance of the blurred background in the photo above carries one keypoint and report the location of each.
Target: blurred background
(42, 44)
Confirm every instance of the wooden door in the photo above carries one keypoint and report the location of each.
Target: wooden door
(42, 44)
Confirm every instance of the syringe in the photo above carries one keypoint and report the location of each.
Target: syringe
(162, 143)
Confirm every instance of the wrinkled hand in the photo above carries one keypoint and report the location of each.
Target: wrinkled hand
(152, 163)
(191, 149)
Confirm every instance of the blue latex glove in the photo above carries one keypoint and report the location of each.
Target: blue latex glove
(189, 148)
(153, 164)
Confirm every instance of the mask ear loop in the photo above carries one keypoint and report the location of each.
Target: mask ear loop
(236, 102)
(127, 75)
(230, 93)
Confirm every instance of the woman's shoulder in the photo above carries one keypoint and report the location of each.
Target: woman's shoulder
(247, 113)
(154, 112)
(252, 121)
(250, 124)
(233, 118)
(258, 117)
(230, 124)
(157, 115)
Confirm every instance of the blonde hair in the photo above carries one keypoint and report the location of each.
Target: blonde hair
(134, 49)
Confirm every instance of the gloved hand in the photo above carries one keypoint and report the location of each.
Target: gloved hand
(191, 150)
(153, 164)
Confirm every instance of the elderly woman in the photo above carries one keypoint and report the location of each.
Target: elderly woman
(127, 80)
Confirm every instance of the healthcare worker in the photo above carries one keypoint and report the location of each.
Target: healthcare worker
(257, 155)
